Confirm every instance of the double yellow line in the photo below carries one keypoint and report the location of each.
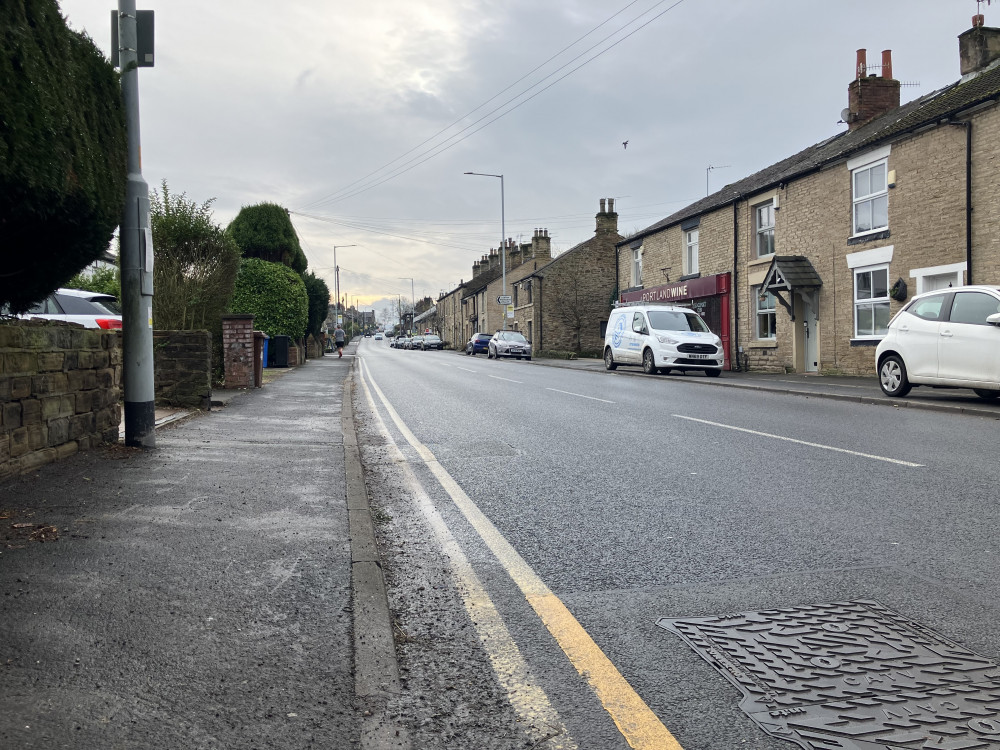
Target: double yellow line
(640, 727)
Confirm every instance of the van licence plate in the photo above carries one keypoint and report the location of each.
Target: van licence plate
(698, 356)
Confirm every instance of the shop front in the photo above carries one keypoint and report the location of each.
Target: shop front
(708, 295)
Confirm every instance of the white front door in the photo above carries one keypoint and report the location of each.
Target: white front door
(810, 334)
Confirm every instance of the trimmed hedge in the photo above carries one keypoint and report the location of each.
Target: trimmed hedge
(275, 295)
(264, 231)
(62, 151)
(319, 302)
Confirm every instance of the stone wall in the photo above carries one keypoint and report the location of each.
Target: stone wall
(182, 364)
(60, 392)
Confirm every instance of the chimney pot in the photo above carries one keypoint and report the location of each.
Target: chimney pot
(887, 63)
(978, 21)
(602, 206)
(862, 64)
(611, 205)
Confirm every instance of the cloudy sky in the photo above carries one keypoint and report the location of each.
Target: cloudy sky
(361, 117)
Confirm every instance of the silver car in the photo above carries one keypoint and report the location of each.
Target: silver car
(509, 344)
(89, 309)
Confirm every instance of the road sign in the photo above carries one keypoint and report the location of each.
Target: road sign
(510, 311)
(504, 299)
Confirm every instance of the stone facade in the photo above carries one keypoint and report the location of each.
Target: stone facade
(60, 392)
(182, 366)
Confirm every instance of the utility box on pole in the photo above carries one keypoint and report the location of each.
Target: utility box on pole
(136, 238)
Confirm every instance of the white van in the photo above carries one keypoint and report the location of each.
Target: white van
(661, 338)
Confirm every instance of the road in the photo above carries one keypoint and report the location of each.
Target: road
(589, 506)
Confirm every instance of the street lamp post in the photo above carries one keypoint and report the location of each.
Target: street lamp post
(413, 301)
(503, 239)
(336, 278)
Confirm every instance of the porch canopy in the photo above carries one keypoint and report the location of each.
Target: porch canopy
(792, 273)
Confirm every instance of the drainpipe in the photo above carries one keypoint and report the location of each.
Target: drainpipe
(967, 124)
(733, 292)
(618, 283)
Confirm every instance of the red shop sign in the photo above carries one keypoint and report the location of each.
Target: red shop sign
(706, 286)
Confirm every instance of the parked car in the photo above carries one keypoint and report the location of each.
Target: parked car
(400, 342)
(662, 338)
(509, 344)
(415, 342)
(90, 309)
(479, 343)
(378, 337)
(946, 338)
(431, 341)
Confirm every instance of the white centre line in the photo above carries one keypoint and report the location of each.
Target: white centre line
(466, 369)
(497, 377)
(801, 442)
(580, 395)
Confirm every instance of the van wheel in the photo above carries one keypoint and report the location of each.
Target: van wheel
(986, 394)
(648, 363)
(712, 373)
(892, 377)
(609, 361)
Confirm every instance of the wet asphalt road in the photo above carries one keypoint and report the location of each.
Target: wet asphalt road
(634, 499)
(198, 595)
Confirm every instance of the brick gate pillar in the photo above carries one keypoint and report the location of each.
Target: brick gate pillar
(238, 350)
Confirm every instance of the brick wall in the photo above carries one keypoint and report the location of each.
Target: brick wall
(60, 391)
(182, 365)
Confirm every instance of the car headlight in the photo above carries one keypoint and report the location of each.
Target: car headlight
(666, 340)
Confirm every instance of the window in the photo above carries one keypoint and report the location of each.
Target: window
(637, 266)
(530, 327)
(871, 301)
(767, 322)
(973, 308)
(764, 222)
(527, 288)
(638, 323)
(871, 197)
(691, 252)
(515, 295)
(928, 308)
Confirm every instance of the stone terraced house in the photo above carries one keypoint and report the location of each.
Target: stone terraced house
(800, 266)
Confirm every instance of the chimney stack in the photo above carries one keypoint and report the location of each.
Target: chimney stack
(541, 245)
(607, 219)
(871, 96)
(978, 48)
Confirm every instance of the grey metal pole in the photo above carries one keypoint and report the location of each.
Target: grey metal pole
(336, 278)
(136, 255)
(503, 241)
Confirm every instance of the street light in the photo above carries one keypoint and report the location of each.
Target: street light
(503, 238)
(413, 301)
(336, 278)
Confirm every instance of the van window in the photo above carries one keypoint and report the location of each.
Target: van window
(675, 320)
(638, 322)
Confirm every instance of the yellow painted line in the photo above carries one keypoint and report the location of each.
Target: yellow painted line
(640, 727)
(526, 696)
(802, 442)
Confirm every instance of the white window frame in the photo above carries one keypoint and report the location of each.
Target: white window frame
(691, 251)
(637, 266)
(762, 229)
(761, 312)
(871, 301)
(859, 164)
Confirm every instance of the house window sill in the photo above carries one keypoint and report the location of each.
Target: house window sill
(859, 239)
(865, 342)
(763, 344)
(760, 261)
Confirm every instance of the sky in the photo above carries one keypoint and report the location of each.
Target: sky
(361, 118)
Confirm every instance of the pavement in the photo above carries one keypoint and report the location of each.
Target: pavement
(225, 589)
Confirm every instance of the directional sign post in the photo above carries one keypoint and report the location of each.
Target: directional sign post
(504, 299)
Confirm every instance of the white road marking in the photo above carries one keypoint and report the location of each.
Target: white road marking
(466, 369)
(497, 377)
(801, 442)
(580, 395)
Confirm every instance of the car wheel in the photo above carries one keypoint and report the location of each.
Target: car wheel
(712, 373)
(609, 360)
(518, 359)
(892, 377)
(986, 394)
(648, 363)
(528, 358)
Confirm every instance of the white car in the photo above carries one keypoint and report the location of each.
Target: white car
(378, 337)
(89, 309)
(945, 338)
(661, 338)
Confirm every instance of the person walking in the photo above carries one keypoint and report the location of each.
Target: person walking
(338, 338)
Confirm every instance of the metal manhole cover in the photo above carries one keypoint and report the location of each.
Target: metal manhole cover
(851, 676)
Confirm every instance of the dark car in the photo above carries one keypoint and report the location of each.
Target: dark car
(509, 344)
(431, 342)
(478, 344)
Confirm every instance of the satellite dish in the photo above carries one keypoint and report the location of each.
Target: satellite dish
(845, 113)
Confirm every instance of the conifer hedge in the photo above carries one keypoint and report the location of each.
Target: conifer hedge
(265, 231)
(62, 151)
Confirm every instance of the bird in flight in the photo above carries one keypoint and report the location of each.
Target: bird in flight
(625, 144)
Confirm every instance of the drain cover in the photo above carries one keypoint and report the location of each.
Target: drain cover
(851, 676)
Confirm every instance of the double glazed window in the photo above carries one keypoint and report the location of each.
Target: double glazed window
(871, 197)
(691, 251)
(767, 327)
(637, 266)
(871, 301)
(764, 223)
